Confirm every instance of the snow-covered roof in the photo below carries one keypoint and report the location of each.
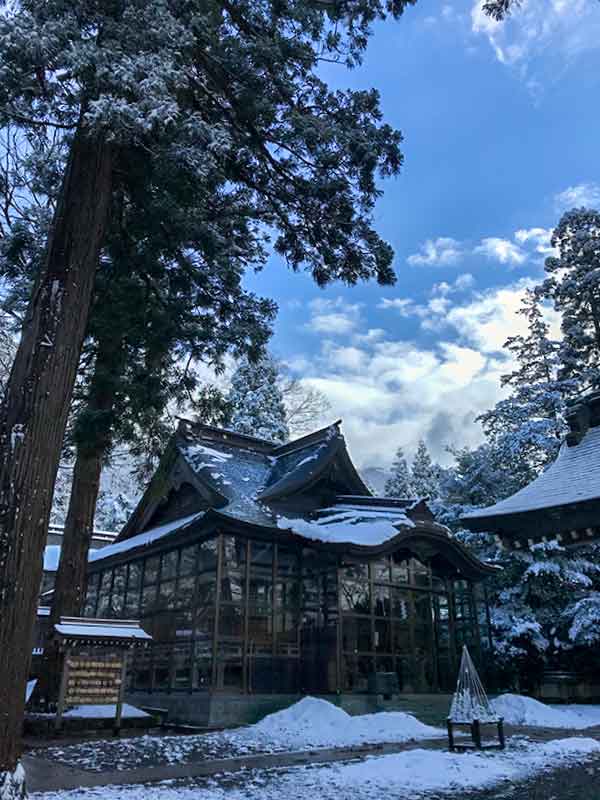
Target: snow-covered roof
(307, 488)
(145, 538)
(106, 536)
(82, 628)
(246, 474)
(573, 477)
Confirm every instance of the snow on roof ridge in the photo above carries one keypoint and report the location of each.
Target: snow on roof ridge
(329, 431)
(224, 435)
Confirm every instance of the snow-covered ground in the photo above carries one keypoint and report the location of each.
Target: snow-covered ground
(310, 723)
(519, 710)
(402, 775)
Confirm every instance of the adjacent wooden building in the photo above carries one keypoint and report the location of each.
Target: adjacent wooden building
(563, 503)
(262, 570)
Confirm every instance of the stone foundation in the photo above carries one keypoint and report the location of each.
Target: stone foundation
(226, 710)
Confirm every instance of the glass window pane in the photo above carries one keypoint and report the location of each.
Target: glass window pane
(381, 570)
(207, 586)
(355, 595)
(118, 590)
(168, 568)
(92, 595)
(148, 599)
(356, 634)
(207, 556)
(188, 560)
(166, 594)
(420, 573)
(234, 569)
(401, 603)
(104, 594)
(185, 592)
(151, 570)
(231, 622)
(383, 636)
(134, 578)
(260, 628)
(288, 561)
(261, 554)
(399, 571)
(402, 638)
(182, 666)
(382, 601)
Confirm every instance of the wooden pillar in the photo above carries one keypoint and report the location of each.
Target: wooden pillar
(501, 733)
(476, 733)
(339, 640)
(451, 632)
(64, 680)
(246, 645)
(217, 607)
(433, 637)
(411, 627)
(488, 619)
(119, 708)
(274, 599)
(450, 734)
(370, 571)
(475, 622)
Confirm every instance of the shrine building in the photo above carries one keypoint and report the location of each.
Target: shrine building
(264, 572)
(563, 502)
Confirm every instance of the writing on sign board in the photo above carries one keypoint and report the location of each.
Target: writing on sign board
(93, 681)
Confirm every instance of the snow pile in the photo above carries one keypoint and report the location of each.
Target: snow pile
(519, 710)
(316, 723)
(105, 712)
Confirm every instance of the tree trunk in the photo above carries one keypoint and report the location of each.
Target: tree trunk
(70, 585)
(34, 412)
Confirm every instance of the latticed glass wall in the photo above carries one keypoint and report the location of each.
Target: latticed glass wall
(247, 615)
(173, 595)
(399, 617)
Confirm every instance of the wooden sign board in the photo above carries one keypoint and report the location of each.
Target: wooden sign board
(92, 680)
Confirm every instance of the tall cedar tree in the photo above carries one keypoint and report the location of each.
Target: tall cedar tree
(223, 85)
(399, 483)
(526, 428)
(425, 475)
(162, 300)
(574, 288)
(256, 401)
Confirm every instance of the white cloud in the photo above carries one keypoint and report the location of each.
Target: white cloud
(333, 317)
(461, 284)
(441, 252)
(502, 250)
(403, 305)
(583, 194)
(539, 237)
(391, 391)
(540, 38)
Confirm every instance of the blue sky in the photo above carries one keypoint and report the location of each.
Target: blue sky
(501, 125)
